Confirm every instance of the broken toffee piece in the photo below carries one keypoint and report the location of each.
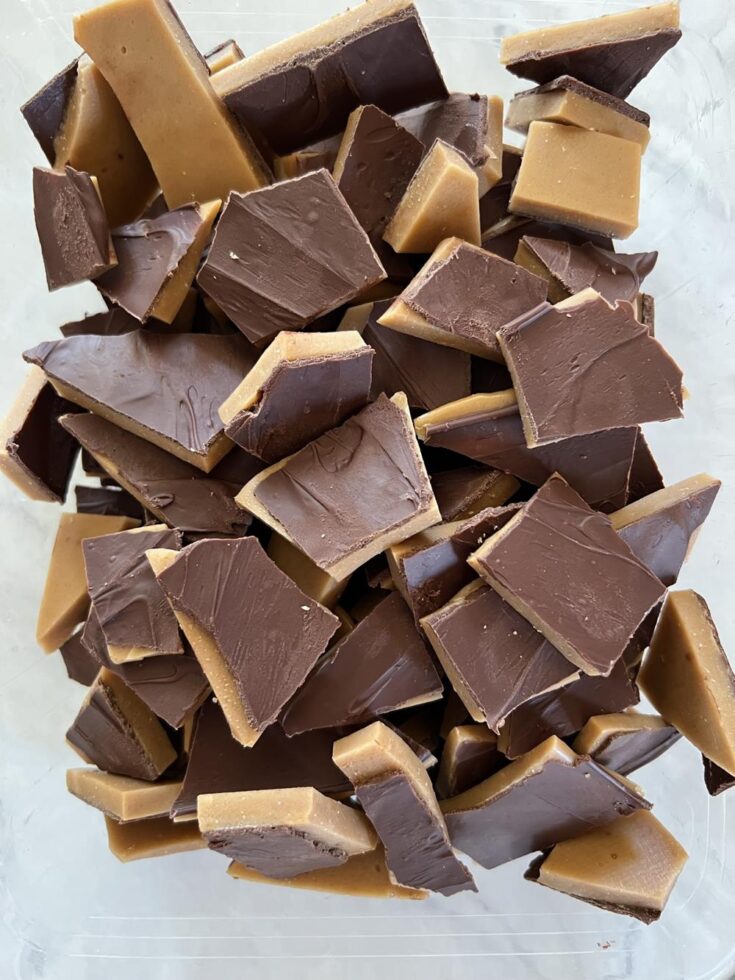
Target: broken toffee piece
(629, 866)
(119, 378)
(464, 492)
(283, 832)
(571, 268)
(687, 678)
(441, 201)
(72, 227)
(81, 665)
(316, 156)
(661, 528)
(645, 476)
(613, 53)
(716, 779)
(36, 453)
(260, 617)
(547, 796)
(567, 100)
(383, 665)
(581, 178)
(494, 204)
(172, 490)
(584, 366)
(397, 796)
(463, 296)
(303, 385)
(488, 428)
(625, 742)
(562, 566)
(287, 254)
(115, 731)
(301, 90)
(304, 573)
(163, 84)
(470, 755)
(334, 522)
(428, 375)
(494, 658)
(155, 837)
(223, 55)
(122, 798)
(133, 612)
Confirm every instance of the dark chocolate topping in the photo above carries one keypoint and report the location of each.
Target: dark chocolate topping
(382, 665)
(551, 805)
(472, 761)
(302, 400)
(268, 632)
(566, 83)
(176, 492)
(611, 66)
(458, 492)
(596, 465)
(627, 751)
(171, 385)
(81, 665)
(46, 110)
(417, 850)
(112, 321)
(590, 367)
(459, 120)
(219, 764)
(149, 252)
(564, 564)
(284, 255)
(502, 238)
(494, 203)
(41, 446)
(473, 294)
(645, 476)
(716, 779)
(389, 65)
(330, 519)
(502, 660)
(130, 604)
(72, 227)
(108, 501)
(278, 852)
(429, 375)
(575, 267)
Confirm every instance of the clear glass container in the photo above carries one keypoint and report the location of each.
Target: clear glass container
(70, 911)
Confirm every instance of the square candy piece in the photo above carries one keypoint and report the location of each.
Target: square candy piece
(561, 565)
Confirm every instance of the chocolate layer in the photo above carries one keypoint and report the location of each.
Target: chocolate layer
(716, 779)
(624, 752)
(72, 227)
(219, 764)
(464, 492)
(494, 203)
(645, 476)
(81, 665)
(177, 493)
(256, 616)
(309, 92)
(470, 755)
(46, 110)
(107, 500)
(112, 321)
(459, 120)
(284, 255)
(417, 851)
(561, 565)
(278, 852)
(428, 374)
(381, 666)
(120, 377)
(567, 83)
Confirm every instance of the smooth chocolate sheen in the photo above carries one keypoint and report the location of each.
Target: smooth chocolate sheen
(645, 476)
(460, 120)
(107, 500)
(46, 110)
(81, 665)
(502, 237)
(461, 493)
(626, 751)
(716, 779)
(112, 321)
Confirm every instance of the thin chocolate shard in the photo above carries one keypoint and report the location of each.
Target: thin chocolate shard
(287, 254)
(383, 494)
(429, 375)
(470, 755)
(661, 528)
(629, 867)
(172, 490)
(625, 742)
(122, 798)
(585, 365)
(494, 204)
(488, 428)
(46, 110)
(716, 779)
(115, 731)
(108, 501)
(258, 617)
(381, 666)
(36, 453)
(571, 268)
(119, 378)
(463, 296)
(503, 237)
(302, 89)
(133, 612)
(547, 796)
(302, 386)
(645, 476)
(566, 710)
(81, 665)
(584, 589)
(283, 833)
(394, 790)
(494, 658)
(612, 53)
(112, 321)
(223, 55)
(72, 227)
(688, 679)
(464, 492)
(157, 261)
(219, 764)
(151, 838)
